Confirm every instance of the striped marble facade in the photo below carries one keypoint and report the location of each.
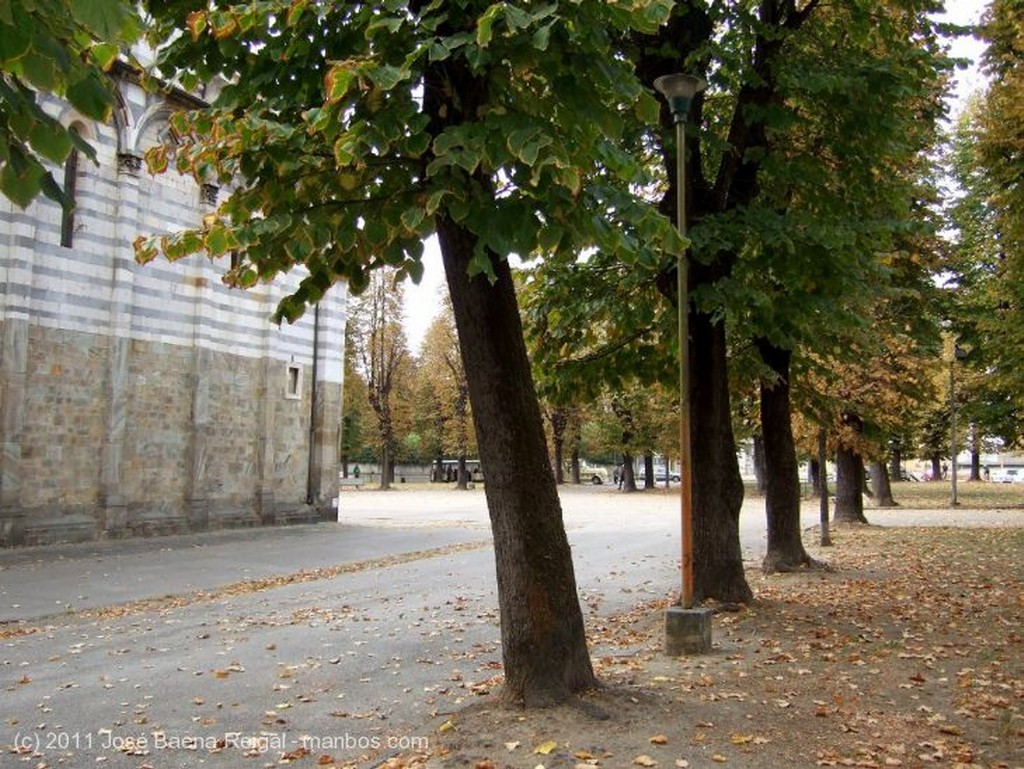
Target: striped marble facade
(152, 399)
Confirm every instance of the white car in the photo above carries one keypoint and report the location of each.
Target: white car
(594, 474)
(1007, 475)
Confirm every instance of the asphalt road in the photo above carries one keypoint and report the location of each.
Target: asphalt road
(340, 639)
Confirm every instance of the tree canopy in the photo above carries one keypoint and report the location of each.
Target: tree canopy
(62, 48)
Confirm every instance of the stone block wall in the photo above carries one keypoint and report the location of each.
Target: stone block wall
(151, 399)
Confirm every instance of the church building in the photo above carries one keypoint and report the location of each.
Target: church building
(139, 400)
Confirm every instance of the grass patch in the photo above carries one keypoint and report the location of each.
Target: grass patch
(980, 495)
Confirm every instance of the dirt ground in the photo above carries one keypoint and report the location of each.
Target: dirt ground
(908, 653)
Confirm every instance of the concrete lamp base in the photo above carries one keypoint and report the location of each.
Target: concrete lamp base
(687, 631)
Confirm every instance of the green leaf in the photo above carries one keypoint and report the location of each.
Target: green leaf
(51, 140)
(22, 181)
(386, 77)
(485, 24)
(91, 96)
(104, 55)
(104, 18)
(220, 240)
(412, 218)
(14, 42)
(39, 70)
(338, 80)
(434, 202)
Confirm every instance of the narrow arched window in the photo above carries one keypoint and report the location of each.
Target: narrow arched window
(67, 219)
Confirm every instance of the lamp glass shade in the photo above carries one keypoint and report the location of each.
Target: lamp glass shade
(679, 90)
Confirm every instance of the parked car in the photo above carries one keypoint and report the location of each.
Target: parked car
(1007, 475)
(595, 474)
(660, 475)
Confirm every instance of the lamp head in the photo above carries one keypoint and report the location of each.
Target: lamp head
(679, 90)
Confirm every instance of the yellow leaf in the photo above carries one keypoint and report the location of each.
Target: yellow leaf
(719, 758)
(545, 748)
(659, 739)
(741, 739)
(644, 760)
(447, 726)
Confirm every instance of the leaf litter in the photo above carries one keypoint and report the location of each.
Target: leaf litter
(908, 653)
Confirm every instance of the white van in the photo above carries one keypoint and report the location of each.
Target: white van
(1007, 475)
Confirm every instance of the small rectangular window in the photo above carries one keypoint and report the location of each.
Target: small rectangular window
(293, 382)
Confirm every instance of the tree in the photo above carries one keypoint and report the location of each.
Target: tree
(785, 550)
(62, 48)
(355, 409)
(379, 341)
(351, 132)
(979, 286)
(445, 376)
(850, 470)
(997, 165)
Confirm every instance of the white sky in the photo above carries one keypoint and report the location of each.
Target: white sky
(423, 302)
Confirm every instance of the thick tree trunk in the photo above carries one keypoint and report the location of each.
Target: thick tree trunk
(544, 648)
(759, 468)
(574, 464)
(782, 475)
(718, 487)
(881, 489)
(896, 462)
(385, 464)
(849, 480)
(975, 453)
(936, 467)
(628, 476)
(826, 535)
(649, 479)
(557, 421)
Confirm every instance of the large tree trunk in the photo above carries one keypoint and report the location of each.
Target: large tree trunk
(849, 479)
(628, 477)
(385, 464)
(649, 479)
(782, 475)
(718, 487)
(759, 468)
(826, 535)
(881, 489)
(814, 476)
(558, 421)
(896, 461)
(544, 648)
(975, 453)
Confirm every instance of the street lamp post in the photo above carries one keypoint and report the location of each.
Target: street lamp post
(688, 630)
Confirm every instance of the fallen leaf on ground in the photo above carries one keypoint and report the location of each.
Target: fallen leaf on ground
(545, 748)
